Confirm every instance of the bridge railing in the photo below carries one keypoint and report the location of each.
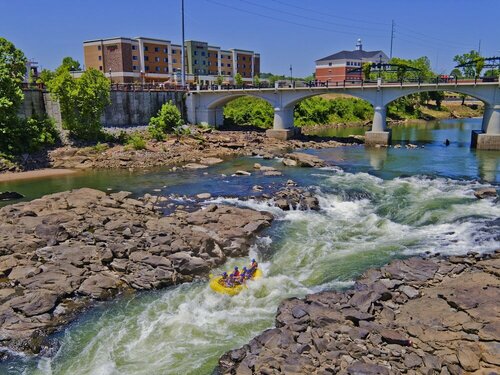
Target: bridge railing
(347, 83)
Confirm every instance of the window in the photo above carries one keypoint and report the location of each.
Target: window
(100, 58)
(165, 59)
(195, 62)
(165, 50)
(146, 58)
(157, 68)
(134, 48)
(98, 48)
(223, 72)
(209, 54)
(203, 62)
(145, 48)
(228, 56)
(216, 55)
(174, 51)
(165, 70)
(244, 66)
(134, 67)
(146, 68)
(157, 59)
(244, 58)
(100, 67)
(174, 61)
(195, 53)
(135, 58)
(329, 64)
(209, 63)
(157, 49)
(228, 65)
(203, 53)
(221, 64)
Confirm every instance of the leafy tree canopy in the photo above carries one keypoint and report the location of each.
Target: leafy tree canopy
(82, 101)
(71, 64)
(468, 71)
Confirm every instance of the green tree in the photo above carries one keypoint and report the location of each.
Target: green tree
(272, 80)
(437, 96)
(45, 76)
(12, 71)
(219, 80)
(479, 66)
(82, 101)
(248, 110)
(71, 64)
(367, 68)
(256, 80)
(18, 135)
(238, 80)
(456, 73)
(167, 119)
(469, 71)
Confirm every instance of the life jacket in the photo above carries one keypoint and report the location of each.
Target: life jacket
(236, 273)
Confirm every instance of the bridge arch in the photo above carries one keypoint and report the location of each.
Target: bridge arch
(392, 96)
(222, 101)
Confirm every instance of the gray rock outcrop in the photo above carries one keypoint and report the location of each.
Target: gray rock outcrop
(62, 251)
(413, 316)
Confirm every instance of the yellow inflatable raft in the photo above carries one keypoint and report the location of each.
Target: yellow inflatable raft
(219, 288)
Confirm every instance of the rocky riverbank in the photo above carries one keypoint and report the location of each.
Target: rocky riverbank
(65, 250)
(201, 147)
(413, 316)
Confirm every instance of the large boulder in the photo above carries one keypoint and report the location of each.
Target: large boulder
(485, 193)
(34, 302)
(10, 195)
(303, 160)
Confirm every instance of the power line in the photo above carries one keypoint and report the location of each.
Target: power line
(308, 17)
(329, 14)
(434, 38)
(282, 20)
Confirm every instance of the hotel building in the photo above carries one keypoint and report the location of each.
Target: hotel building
(127, 60)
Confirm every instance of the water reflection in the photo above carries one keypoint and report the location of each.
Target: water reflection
(378, 156)
(488, 165)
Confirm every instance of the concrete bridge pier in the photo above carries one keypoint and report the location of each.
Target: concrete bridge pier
(283, 124)
(379, 135)
(488, 138)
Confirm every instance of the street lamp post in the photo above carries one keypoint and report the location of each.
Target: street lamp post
(183, 67)
(110, 79)
(291, 75)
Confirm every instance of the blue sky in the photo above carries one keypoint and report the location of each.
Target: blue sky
(285, 32)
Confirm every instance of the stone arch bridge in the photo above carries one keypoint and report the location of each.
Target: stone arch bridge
(207, 106)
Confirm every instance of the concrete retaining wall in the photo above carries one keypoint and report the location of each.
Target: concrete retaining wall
(126, 108)
(33, 104)
(136, 108)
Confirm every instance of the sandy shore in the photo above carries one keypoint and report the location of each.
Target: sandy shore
(40, 173)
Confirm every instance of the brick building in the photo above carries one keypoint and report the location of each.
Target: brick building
(341, 65)
(141, 59)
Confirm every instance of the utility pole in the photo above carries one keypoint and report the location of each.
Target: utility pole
(183, 68)
(392, 38)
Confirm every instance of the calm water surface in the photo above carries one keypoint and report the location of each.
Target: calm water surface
(377, 205)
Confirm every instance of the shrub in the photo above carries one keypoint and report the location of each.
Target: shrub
(136, 141)
(100, 147)
(166, 120)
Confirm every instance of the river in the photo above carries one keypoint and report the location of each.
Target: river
(377, 205)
